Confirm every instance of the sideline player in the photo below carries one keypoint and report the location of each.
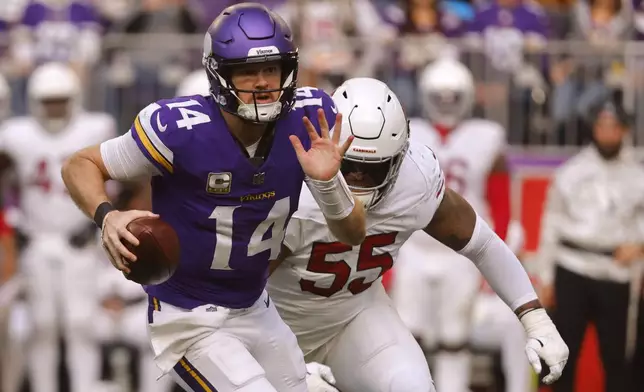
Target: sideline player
(58, 262)
(494, 327)
(228, 180)
(11, 346)
(330, 293)
(471, 153)
(120, 321)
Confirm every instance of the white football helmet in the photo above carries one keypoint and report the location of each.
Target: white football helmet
(447, 91)
(54, 92)
(194, 84)
(5, 99)
(374, 116)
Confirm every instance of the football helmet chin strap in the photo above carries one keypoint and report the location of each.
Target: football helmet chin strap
(260, 112)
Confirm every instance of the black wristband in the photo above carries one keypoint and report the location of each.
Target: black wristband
(526, 311)
(101, 211)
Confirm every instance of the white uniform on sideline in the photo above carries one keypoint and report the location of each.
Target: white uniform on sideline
(330, 294)
(60, 278)
(12, 328)
(495, 328)
(15, 330)
(466, 157)
(435, 289)
(128, 325)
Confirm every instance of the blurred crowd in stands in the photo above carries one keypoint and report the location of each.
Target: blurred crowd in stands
(540, 66)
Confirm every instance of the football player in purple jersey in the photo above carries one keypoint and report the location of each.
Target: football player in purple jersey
(226, 170)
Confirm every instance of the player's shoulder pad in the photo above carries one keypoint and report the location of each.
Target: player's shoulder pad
(16, 127)
(488, 126)
(18, 123)
(418, 123)
(575, 169)
(309, 99)
(164, 127)
(421, 131)
(487, 131)
(14, 132)
(102, 123)
(427, 163)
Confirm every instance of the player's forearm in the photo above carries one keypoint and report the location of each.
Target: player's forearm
(350, 230)
(85, 182)
(344, 214)
(500, 268)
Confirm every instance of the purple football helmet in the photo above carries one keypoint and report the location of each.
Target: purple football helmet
(250, 33)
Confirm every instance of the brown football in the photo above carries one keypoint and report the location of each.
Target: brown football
(157, 255)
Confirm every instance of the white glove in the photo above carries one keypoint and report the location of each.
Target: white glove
(544, 342)
(319, 378)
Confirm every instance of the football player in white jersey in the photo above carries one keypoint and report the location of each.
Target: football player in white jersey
(471, 152)
(330, 294)
(58, 261)
(10, 350)
(196, 83)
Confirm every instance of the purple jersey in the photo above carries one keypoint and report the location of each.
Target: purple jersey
(230, 215)
(505, 31)
(55, 30)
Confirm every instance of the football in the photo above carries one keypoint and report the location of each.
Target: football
(157, 255)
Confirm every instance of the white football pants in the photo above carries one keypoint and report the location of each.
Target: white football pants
(375, 352)
(249, 350)
(434, 289)
(496, 327)
(12, 347)
(61, 293)
(130, 327)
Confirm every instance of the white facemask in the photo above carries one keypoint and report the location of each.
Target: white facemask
(266, 112)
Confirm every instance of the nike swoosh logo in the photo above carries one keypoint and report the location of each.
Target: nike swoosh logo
(161, 127)
(268, 301)
(334, 109)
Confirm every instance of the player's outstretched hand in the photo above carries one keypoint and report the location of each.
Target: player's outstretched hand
(544, 343)
(114, 229)
(319, 378)
(322, 161)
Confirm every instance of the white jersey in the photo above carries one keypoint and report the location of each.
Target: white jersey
(595, 205)
(466, 154)
(324, 283)
(38, 156)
